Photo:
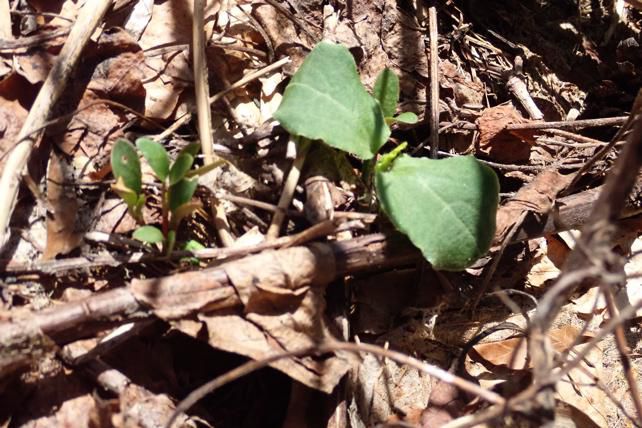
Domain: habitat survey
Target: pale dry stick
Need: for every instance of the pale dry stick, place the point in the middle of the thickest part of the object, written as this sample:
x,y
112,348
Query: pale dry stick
x,y
572,124
623,349
5,20
576,137
328,347
434,82
367,217
88,20
302,147
518,88
204,116
250,77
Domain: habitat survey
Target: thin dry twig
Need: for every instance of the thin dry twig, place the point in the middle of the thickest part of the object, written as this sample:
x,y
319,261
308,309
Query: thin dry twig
x,y
88,20
623,349
570,124
334,346
433,118
302,148
205,116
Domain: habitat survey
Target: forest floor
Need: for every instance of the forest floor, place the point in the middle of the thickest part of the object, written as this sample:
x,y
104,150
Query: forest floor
x,y
287,284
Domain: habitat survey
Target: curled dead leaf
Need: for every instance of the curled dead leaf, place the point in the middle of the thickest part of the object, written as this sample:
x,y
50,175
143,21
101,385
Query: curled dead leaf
x,y
499,144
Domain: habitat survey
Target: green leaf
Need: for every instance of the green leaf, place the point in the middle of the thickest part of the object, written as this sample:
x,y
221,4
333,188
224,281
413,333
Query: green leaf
x,y
149,234
406,117
181,166
181,193
193,245
386,160
191,149
325,100
126,165
446,207
156,156
386,91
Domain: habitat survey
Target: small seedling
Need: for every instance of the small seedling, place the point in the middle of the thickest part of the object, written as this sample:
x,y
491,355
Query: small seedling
x,y
176,182
446,207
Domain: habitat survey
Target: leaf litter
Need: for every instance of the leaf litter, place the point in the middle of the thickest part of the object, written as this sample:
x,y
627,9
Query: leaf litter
x,y
135,79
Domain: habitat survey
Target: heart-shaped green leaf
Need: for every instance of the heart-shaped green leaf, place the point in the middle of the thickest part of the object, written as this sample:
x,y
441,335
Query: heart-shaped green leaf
x,y
326,101
181,193
126,166
446,207
149,234
386,91
156,156
406,117
181,166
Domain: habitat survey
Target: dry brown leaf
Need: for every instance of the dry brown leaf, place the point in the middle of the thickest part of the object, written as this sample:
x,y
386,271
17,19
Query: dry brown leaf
x,y
500,353
579,391
543,269
444,405
501,145
12,116
166,40
116,64
62,234
536,197
382,387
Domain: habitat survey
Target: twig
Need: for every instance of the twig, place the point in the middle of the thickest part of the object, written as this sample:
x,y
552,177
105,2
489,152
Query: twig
x,y
623,349
433,118
571,124
610,326
479,293
367,217
518,88
573,212
302,148
89,17
11,46
205,115
576,137
620,136
588,259
357,348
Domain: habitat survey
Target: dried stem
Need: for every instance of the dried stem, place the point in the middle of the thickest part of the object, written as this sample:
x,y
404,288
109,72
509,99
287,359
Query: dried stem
x,y
205,115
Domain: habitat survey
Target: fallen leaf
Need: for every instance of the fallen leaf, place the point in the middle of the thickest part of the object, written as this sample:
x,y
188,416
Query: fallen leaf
x,y
500,353
537,197
499,144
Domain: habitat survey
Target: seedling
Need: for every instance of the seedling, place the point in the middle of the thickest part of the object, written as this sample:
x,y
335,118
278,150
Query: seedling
x,y
176,182
446,207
